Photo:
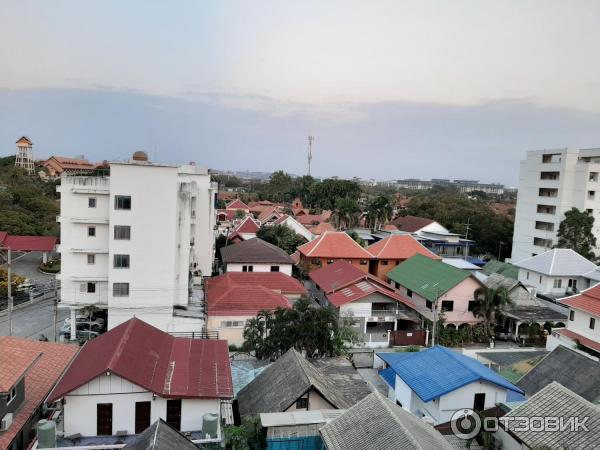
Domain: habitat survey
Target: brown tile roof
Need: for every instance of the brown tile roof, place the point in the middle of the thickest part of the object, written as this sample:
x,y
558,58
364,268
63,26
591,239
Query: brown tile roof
x,y
237,204
334,244
399,246
411,224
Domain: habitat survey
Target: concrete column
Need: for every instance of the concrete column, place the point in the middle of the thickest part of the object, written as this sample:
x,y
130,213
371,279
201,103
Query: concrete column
x,y
73,324
45,257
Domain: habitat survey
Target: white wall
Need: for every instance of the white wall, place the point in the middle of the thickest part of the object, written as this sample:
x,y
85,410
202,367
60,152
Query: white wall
x,y
545,284
581,325
256,267
80,406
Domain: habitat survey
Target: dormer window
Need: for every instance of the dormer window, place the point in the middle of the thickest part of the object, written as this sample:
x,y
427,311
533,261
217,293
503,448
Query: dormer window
x,y
11,395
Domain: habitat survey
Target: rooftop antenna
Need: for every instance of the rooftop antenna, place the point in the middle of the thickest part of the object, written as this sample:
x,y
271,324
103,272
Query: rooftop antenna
x,y
309,156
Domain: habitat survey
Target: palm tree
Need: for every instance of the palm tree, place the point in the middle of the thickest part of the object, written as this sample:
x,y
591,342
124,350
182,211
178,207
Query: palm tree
x,y
490,304
346,212
379,210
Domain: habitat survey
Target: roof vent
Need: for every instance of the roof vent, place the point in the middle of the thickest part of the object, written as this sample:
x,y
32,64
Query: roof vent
x,y
140,156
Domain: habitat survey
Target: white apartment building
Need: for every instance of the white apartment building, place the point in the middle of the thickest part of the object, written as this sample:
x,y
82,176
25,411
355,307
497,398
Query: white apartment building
x,y
551,182
138,242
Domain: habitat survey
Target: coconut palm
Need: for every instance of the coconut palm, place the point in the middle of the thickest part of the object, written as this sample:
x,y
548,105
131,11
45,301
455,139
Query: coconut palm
x,y
379,210
490,305
346,212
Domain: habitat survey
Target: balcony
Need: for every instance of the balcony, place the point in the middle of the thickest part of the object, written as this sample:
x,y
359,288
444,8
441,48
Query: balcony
x,y
86,185
90,220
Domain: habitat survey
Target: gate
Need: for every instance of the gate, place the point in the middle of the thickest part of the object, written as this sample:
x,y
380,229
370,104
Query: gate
x,y
408,337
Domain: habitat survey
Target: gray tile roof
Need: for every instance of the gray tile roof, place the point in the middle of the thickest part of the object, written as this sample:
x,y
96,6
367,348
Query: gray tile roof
x,y
160,436
508,358
555,400
378,424
254,250
573,370
278,387
558,262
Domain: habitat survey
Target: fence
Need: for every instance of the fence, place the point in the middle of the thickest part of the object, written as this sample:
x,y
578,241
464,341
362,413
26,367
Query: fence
x,y
408,337
204,334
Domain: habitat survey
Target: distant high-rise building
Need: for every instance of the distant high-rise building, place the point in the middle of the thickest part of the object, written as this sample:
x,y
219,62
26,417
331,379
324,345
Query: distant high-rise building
x,y
551,182
24,158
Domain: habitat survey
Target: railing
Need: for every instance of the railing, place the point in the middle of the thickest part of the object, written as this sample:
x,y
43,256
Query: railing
x,y
385,312
86,181
203,334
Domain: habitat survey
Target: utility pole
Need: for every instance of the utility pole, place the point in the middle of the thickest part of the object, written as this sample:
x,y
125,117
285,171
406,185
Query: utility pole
x,y
500,249
468,225
55,308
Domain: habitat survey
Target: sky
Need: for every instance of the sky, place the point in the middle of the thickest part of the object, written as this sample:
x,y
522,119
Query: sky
x,y
389,89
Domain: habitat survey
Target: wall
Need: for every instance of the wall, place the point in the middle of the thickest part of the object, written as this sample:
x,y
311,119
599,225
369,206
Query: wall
x,y
380,270
309,263
545,284
315,402
256,267
80,406
581,325
234,336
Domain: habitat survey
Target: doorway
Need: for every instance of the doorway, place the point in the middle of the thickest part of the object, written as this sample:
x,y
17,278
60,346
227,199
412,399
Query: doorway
x,y
142,416
104,419
174,413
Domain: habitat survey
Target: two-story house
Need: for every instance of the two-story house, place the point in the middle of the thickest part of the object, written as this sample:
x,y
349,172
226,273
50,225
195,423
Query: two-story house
x,y
333,246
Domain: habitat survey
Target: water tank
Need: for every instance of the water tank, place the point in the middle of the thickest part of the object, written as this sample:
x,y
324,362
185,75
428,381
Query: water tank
x,y
46,433
140,156
210,425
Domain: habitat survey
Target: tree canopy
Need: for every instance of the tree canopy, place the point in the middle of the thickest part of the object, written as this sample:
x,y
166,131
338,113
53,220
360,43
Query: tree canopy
x,y
490,305
575,232
282,236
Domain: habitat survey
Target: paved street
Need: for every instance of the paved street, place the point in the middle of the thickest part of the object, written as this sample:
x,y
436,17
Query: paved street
x,y
26,264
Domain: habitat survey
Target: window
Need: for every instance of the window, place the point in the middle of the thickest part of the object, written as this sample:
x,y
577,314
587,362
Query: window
x,y
122,232
590,211
120,289
546,209
330,261
274,268
571,315
122,202
428,304
479,402
363,262
409,293
397,285
593,176
92,231
91,259
591,195
121,261
302,403
573,283
247,268
540,279
233,324
92,202
592,323
471,306
384,263
87,288
11,395
557,284
447,305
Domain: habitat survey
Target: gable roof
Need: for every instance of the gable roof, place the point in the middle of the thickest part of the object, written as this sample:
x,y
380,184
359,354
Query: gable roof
x,y
427,277
254,250
49,362
502,268
557,262
24,140
570,368
248,225
588,301
399,246
438,370
411,224
334,244
227,297
557,401
237,204
149,358
278,387
28,243
267,213
383,425
362,289
276,281
160,436
71,163
336,275
14,362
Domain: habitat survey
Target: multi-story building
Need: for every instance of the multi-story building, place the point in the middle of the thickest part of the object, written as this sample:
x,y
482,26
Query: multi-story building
x,y
551,182
138,242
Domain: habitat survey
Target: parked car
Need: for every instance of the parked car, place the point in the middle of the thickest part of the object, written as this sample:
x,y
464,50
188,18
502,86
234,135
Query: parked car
x,y
85,324
84,335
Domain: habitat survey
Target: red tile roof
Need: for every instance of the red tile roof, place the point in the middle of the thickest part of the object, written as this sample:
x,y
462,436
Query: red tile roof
x,y
357,291
276,281
237,204
148,357
411,224
336,275
51,360
309,219
390,227
588,301
248,225
28,243
321,228
399,246
268,212
14,362
226,297
71,163
578,337
334,244
229,214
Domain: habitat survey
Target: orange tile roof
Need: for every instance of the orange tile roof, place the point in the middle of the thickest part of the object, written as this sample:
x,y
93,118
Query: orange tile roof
x,y
39,379
390,227
321,228
14,363
334,244
588,301
399,246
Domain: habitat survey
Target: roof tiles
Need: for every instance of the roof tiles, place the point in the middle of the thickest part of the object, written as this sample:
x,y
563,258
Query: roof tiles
x,y
334,244
399,246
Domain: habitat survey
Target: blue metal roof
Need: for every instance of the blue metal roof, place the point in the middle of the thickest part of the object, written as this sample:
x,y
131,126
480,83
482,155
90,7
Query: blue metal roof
x,y
389,376
439,370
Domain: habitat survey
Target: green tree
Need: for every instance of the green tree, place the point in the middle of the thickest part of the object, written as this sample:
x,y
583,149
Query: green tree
x,y
575,232
379,210
346,212
326,194
250,435
490,305
282,236
279,188
356,238
306,327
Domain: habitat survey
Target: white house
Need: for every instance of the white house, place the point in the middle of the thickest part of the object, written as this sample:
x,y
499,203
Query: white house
x,y
130,241
135,374
583,324
256,255
296,226
437,382
556,273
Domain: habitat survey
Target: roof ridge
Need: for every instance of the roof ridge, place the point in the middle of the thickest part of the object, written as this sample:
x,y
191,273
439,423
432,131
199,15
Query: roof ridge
x,y
319,240
388,406
122,342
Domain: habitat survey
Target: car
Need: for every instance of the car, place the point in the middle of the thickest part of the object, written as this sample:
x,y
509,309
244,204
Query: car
x,y
85,323
79,334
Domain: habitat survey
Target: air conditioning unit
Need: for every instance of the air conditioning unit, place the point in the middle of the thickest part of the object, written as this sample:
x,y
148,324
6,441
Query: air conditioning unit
x,y
6,422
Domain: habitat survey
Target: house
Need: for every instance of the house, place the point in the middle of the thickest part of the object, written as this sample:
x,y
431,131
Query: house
x,y
503,268
28,371
393,250
572,368
330,247
244,230
256,255
555,273
57,165
373,305
237,205
583,325
574,421
138,241
44,244
436,382
293,383
160,436
296,226
378,424
297,429
136,374
428,282
269,215
234,298
525,309
313,219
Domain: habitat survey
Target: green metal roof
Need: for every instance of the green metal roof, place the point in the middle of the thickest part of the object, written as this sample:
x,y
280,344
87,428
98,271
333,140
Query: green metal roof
x,y
506,269
427,277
